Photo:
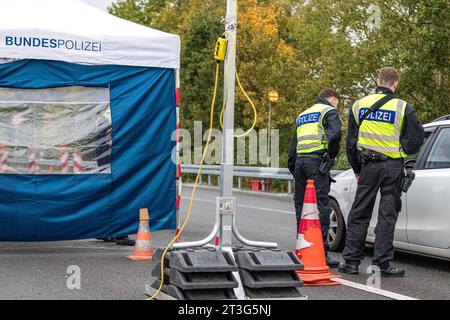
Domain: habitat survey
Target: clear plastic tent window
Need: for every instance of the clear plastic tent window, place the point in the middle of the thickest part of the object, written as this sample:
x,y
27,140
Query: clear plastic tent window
x,y
55,131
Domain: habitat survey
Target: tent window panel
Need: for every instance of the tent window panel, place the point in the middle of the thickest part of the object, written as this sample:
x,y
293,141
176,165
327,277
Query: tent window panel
x,y
55,131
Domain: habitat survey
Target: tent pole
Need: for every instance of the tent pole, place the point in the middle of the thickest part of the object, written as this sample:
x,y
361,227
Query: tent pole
x,y
178,174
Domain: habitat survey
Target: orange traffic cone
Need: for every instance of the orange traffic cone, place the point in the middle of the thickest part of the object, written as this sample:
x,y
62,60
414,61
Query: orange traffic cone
x,y
310,244
143,249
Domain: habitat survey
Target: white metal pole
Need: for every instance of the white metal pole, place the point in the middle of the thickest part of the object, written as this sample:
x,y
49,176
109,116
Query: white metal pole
x,y
226,202
226,181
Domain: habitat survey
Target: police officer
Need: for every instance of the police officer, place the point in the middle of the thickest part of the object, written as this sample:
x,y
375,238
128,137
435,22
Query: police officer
x,y
382,131
318,135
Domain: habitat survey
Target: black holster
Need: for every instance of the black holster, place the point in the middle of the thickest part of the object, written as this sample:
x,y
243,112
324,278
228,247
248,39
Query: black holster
x,y
325,166
372,156
407,180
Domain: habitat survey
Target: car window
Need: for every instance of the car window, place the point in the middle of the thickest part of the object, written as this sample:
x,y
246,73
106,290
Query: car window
x,y
414,157
439,156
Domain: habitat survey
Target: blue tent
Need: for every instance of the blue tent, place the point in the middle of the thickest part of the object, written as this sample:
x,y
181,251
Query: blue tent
x,y
85,140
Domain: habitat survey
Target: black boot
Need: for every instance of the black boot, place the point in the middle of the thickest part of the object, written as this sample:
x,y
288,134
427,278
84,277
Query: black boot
x,y
106,239
125,241
332,263
391,272
348,268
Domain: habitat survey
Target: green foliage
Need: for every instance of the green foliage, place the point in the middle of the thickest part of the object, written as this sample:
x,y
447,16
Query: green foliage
x,y
299,47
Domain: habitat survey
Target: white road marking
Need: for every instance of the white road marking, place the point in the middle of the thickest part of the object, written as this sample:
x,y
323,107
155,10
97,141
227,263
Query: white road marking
x,y
380,292
244,206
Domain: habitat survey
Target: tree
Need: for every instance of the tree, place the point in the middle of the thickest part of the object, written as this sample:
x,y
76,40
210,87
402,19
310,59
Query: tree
x,y
299,47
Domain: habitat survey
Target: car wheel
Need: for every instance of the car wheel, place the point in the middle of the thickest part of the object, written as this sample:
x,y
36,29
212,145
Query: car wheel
x,y
336,233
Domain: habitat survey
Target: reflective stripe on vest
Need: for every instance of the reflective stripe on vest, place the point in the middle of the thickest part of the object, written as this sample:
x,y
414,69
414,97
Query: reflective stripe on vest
x,y
311,136
381,130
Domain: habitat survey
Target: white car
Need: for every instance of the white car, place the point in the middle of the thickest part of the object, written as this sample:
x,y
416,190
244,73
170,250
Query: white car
x,y
423,226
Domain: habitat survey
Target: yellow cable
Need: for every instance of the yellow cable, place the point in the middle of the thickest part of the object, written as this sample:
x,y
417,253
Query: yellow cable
x,y
255,113
194,190
226,72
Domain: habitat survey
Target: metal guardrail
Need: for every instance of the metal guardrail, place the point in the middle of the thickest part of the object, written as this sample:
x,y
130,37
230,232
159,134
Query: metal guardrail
x,y
240,172
261,173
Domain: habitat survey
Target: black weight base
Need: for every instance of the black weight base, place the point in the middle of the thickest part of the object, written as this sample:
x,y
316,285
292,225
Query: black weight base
x,y
195,281
208,294
207,274
270,279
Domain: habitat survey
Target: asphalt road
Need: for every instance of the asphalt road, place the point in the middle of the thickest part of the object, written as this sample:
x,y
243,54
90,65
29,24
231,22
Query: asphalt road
x,y
40,270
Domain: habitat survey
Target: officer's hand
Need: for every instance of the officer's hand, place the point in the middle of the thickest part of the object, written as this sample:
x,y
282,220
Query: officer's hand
x,y
357,176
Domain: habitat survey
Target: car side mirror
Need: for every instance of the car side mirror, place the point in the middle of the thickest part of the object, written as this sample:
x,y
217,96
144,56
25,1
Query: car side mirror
x,y
410,163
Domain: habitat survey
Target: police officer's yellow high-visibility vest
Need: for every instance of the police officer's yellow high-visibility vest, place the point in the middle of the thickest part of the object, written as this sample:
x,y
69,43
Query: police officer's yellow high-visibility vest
x,y
381,130
311,135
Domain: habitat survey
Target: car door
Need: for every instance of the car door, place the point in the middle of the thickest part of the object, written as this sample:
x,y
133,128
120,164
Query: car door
x,y
400,227
400,234
428,199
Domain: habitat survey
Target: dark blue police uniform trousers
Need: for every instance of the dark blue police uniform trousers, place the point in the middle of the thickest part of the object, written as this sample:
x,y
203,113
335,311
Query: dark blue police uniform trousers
x,y
384,176
308,169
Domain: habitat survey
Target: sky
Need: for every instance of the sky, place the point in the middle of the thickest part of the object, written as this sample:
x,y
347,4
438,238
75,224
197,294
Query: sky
x,y
101,4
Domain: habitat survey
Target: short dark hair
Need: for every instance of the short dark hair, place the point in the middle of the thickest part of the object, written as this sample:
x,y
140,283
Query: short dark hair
x,y
388,76
328,93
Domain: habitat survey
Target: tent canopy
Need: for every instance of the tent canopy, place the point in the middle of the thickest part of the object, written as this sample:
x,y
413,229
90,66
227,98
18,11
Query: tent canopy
x,y
71,31
87,115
